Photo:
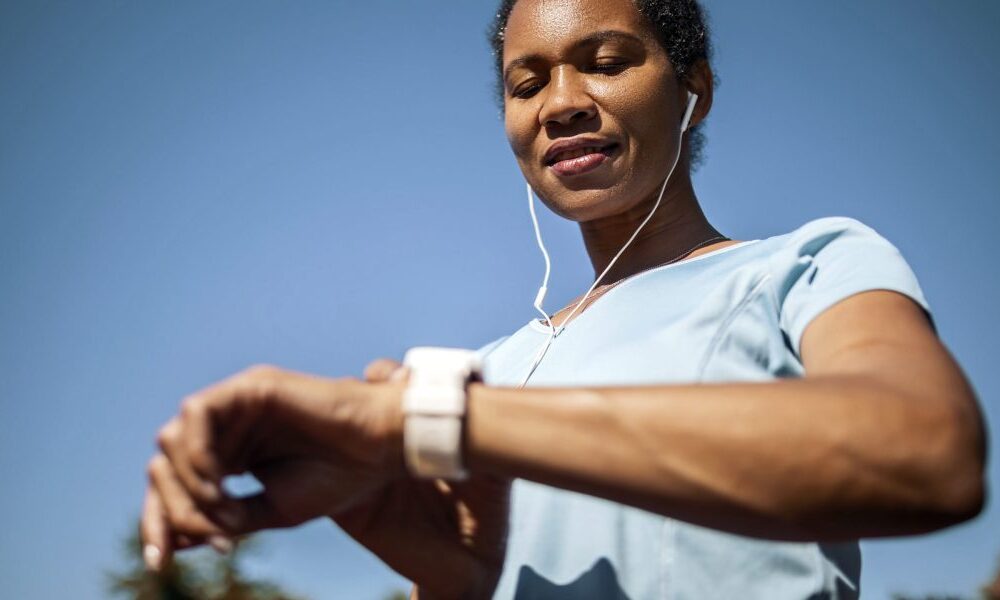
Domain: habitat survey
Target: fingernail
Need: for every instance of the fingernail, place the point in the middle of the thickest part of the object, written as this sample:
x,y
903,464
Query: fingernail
x,y
399,374
211,492
229,517
222,544
152,555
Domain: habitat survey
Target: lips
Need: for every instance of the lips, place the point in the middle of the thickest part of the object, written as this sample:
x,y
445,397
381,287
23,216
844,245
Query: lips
x,y
578,155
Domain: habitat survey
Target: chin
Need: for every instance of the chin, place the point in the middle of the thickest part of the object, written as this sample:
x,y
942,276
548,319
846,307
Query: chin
x,y
586,204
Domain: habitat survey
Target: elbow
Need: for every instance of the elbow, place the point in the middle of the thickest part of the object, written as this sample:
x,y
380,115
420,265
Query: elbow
x,y
956,484
961,499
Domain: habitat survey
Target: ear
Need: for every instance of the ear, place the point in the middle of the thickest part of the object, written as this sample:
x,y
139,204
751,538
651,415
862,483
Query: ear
x,y
701,81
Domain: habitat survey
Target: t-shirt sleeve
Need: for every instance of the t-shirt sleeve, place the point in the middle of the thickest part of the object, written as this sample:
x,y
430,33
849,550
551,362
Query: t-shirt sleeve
x,y
829,259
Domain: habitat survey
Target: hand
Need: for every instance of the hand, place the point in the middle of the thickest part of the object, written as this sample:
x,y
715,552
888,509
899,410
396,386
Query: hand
x,y
318,446
449,538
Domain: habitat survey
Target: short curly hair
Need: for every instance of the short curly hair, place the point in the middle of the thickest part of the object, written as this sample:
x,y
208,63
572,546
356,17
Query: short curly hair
x,y
681,29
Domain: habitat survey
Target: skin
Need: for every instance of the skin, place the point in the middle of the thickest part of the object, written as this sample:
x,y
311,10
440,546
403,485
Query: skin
x,y
887,434
558,86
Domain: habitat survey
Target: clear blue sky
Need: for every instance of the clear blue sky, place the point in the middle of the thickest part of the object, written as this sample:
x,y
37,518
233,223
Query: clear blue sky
x,y
187,188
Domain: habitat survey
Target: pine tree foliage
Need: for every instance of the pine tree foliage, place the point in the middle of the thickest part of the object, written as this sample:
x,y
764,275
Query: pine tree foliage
x,y
196,575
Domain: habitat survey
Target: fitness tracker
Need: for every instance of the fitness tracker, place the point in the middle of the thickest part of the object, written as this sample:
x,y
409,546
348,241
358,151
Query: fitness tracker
x,y
434,409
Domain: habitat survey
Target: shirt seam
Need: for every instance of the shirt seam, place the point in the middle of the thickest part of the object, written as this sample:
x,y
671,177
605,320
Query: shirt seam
x,y
541,328
726,323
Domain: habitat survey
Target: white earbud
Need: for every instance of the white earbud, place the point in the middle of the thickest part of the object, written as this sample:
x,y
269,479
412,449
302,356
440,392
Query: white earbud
x,y
692,101
540,296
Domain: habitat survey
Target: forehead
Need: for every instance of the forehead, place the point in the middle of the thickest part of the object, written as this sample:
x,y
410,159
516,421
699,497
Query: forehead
x,y
546,26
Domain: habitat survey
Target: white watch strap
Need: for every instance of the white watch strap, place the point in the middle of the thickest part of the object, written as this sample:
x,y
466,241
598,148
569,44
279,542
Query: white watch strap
x,y
434,409
433,446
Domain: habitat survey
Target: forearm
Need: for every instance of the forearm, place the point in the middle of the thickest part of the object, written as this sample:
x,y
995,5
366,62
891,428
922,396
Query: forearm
x,y
815,458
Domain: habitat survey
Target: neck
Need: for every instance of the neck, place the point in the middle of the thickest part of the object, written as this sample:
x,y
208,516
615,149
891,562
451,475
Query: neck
x,y
678,226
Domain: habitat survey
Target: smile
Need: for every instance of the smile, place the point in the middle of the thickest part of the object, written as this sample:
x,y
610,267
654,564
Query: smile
x,y
575,158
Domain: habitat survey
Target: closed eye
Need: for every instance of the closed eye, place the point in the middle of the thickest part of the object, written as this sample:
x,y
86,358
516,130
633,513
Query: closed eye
x,y
610,68
526,91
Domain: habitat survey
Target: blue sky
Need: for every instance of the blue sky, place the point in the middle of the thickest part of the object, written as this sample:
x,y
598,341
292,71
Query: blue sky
x,y
188,188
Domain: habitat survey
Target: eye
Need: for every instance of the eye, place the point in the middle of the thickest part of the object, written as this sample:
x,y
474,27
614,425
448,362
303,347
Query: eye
x,y
527,89
609,66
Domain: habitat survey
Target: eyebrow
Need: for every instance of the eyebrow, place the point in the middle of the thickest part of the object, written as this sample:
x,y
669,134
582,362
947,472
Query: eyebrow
x,y
591,40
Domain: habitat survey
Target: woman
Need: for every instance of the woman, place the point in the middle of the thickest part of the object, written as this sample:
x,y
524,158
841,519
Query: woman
x,y
716,418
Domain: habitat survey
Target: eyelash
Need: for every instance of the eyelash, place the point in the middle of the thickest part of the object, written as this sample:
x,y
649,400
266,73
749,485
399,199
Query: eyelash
x,y
528,92
610,68
603,69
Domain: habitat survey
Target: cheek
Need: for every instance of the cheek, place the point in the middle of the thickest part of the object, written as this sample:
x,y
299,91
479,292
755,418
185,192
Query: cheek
x,y
641,107
520,135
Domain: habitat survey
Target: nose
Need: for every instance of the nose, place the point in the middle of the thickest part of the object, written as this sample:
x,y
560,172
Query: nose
x,y
567,100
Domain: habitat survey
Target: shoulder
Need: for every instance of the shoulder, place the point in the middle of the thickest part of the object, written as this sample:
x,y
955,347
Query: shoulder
x,y
827,260
841,242
812,236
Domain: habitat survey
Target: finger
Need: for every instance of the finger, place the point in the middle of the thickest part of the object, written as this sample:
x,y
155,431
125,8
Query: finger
x,y
234,444
283,502
156,539
183,515
248,515
381,370
220,422
198,445
199,438
173,444
400,374
159,544
221,544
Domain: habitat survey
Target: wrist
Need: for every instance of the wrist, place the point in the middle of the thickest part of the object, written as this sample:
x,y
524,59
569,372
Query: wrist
x,y
434,406
389,398
474,395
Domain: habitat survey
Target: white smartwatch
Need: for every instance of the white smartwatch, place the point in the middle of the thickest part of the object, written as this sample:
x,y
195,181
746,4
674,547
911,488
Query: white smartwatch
x,y
434,409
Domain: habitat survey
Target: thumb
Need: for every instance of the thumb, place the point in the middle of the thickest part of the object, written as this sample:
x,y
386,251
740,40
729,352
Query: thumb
x,y
381,370
248,515
295,491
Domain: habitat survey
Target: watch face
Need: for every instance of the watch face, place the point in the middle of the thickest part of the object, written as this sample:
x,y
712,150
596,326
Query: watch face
x,y
438,377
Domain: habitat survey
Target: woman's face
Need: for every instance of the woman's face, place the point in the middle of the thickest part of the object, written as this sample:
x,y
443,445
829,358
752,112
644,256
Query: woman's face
x,y
592,107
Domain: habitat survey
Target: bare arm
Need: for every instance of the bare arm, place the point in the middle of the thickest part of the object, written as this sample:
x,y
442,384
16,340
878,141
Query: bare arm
x,y
882,437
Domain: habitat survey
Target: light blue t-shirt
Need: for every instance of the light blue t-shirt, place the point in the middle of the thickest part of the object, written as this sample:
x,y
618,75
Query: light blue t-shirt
x,y
736,314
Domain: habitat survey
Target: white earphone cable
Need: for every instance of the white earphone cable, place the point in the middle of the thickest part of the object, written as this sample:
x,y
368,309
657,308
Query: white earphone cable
x,y
540,297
